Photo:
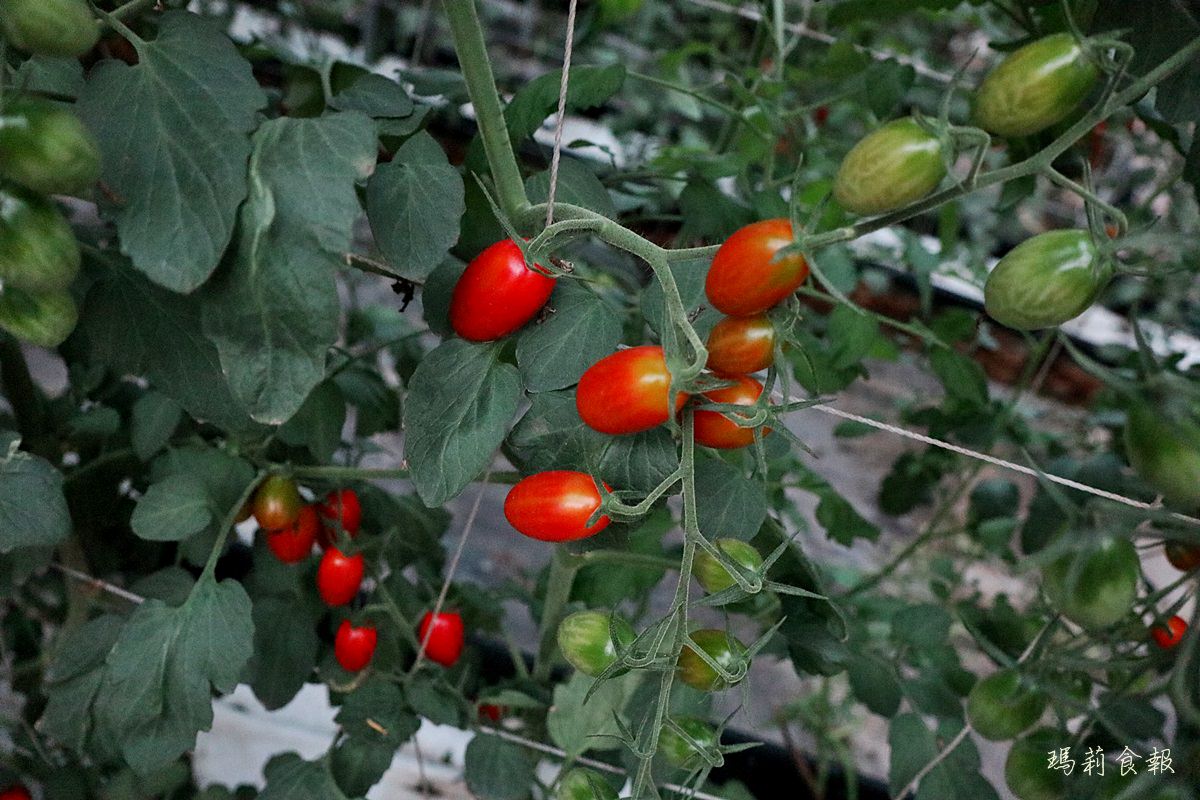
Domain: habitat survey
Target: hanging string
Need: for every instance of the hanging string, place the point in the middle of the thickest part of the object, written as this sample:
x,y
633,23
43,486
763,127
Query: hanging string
x,y
562,107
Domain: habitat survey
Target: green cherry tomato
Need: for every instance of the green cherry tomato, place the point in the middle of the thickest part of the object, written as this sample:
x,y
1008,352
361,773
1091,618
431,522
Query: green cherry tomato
x,y
44,147
49,27
1027,769
1046,281
714,577
584,784
43,318
721,648
896,165
1000,706
681,753
1166,454
38,251
1095,588
1035,87
590,640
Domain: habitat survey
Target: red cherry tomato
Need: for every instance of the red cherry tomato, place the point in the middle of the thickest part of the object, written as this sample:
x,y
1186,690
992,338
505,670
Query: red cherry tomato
x,y
627,392
340,508
1183,557
1171,635
339,576
354,646
491,712
445,637
277,503
820,115
293,544
17,792
714,429
741,345
497,294
555,506
746,278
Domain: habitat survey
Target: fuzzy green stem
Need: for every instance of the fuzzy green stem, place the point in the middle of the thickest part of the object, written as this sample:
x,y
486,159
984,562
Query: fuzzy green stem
x,y
558,592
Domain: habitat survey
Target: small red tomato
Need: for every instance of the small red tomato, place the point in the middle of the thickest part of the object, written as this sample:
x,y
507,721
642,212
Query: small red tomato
x,y
340,508
491,712
627,392
354,646
1171,635
555,506
820,115
293,544
277,503
746,278
339,576
443,637
741,345
497,294
1183,557
714,429
17,792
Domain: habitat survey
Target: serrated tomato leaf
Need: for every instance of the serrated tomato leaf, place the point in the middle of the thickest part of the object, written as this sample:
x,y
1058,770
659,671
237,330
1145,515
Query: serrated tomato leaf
x,y
33,510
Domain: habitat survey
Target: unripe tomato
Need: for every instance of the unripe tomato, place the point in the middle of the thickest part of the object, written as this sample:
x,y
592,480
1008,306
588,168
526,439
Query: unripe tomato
x,y
592,640
446,636
17,792
277,503
714,429
1046,281
745,276
294,543
891,167
339,576
681,753
1183,557
1001,707
340,509
1026,771
627,392
354,646
741,345
1035,87
43,318
49,27
1171,635
584,784
709,572
555,506
721,647
44,147
497,294
38,251
1166,454
1104,587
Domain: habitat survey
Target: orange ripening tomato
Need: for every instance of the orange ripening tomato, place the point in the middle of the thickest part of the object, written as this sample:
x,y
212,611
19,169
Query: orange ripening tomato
x,y
497,294
555,506
714,429
740,345
745,276
627,392
1171,635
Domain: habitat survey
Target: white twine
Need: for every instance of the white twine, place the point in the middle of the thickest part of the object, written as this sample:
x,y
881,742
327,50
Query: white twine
x,y
562,107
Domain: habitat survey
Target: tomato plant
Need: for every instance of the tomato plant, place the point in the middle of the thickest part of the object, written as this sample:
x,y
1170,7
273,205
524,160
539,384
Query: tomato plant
x,y
591,641
627,392
340,511
1170,635
713,576
38,252
584,784
1046,281
893,166
46,149
741,345
1095,588
681,752
339,576
1166,454
720,647
52,27
1003,705
354,645
1183,557
497,294
721,430
748,276
295,542
555,506
442,636
1025,770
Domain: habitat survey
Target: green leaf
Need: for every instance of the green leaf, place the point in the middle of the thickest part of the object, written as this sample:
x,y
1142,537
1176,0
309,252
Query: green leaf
x,y
877,11
914,746
357,765
374,95
460,402
709,214
727,503
133,326
552,436
289,777
155,418
378,710
538,99
576,726
851,335
639,461
435,702
921,626
582,329
577,185
174,133
962,377
317,425
285,650
377,406
414,204
54,74
172,509
873,681
274,313
33,510
689,278
842,523
498,770
157,690
73,681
